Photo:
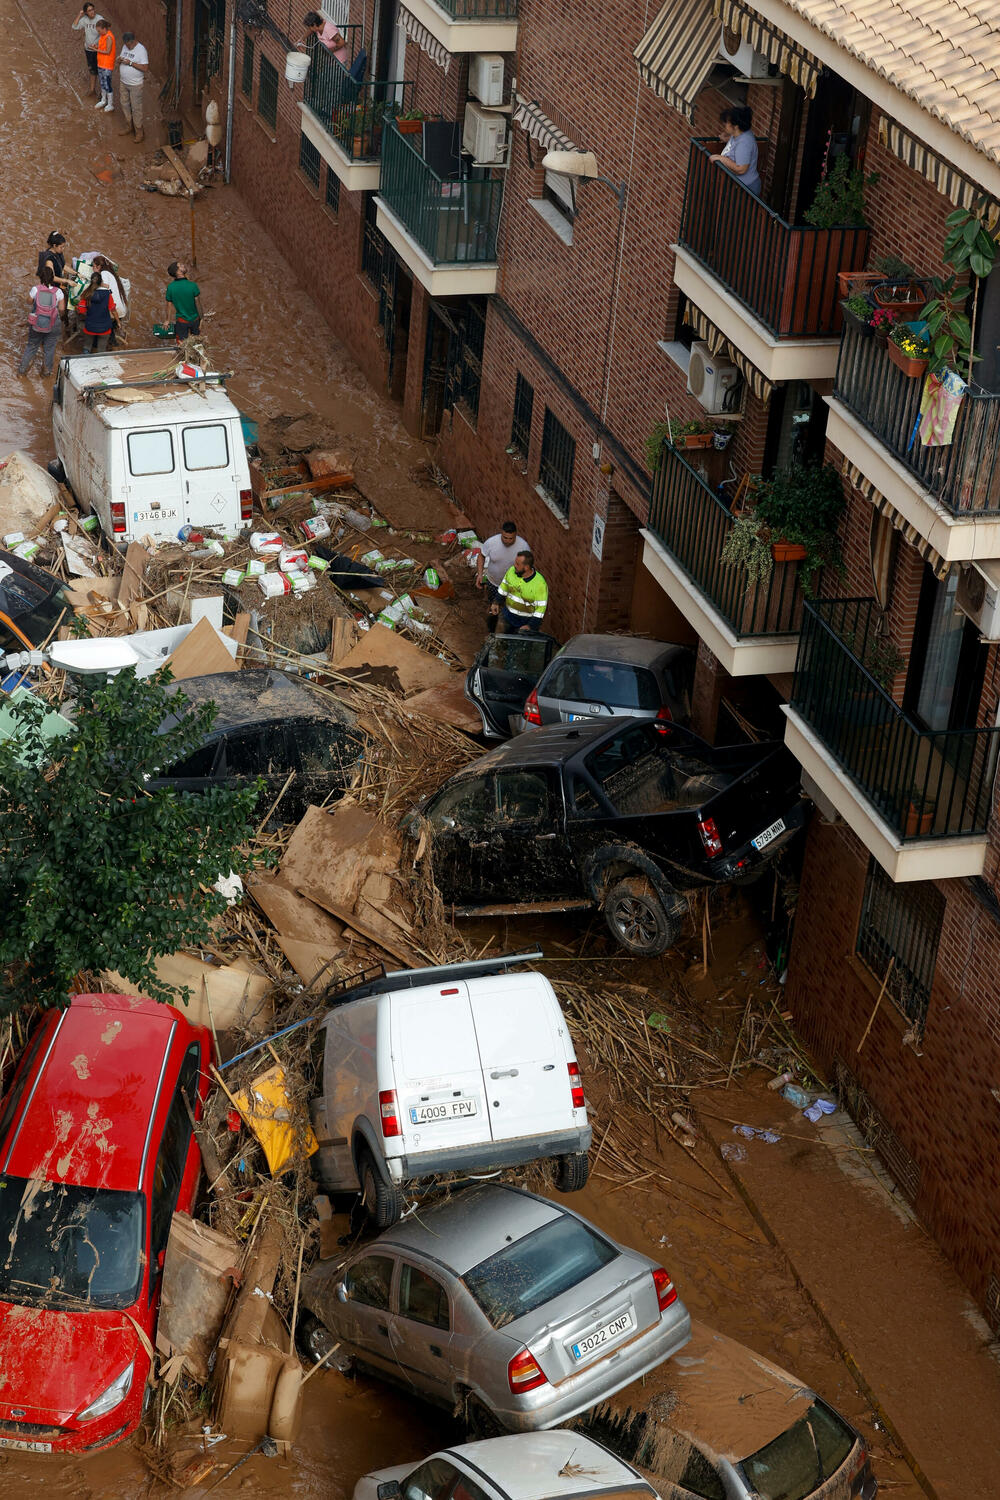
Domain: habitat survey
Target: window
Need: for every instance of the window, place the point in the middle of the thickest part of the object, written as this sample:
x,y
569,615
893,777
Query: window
x,y
369,1281
201,763
372,245
614,685
422,1298
520,427
700,1477
317,745
465,357
150,453
538,1268
332,191
523,797
206,447
247,753
17,1092
267,93
309,160
433,1480
901,923
174,1146
560,190
467,805
555,473
246,76
797,1463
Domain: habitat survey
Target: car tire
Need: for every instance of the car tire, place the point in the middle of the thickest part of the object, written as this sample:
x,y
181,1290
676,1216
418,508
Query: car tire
x,y
572,1172
313,1338
480,1422
381,1201
636,918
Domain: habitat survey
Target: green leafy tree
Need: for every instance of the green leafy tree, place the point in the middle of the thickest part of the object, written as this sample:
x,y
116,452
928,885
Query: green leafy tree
x,y
96,870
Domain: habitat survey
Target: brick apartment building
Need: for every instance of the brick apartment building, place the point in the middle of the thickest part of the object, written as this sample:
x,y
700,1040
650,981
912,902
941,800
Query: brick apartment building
x,y
540,327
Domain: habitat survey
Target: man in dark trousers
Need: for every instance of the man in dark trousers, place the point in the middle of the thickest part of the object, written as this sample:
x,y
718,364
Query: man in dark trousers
x,y
182,301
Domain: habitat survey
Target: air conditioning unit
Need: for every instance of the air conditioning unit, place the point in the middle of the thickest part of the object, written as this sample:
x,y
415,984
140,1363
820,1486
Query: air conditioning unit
x,y
709,378
978,596
486,77
484,135
741,56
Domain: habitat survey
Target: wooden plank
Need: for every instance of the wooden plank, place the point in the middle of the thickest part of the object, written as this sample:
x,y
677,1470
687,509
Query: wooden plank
x,y
136,559
311,486
311,959
349,919
292,916
181,169
343,635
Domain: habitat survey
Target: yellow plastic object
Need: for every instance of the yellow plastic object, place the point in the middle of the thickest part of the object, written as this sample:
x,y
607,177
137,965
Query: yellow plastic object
x,y
280,1128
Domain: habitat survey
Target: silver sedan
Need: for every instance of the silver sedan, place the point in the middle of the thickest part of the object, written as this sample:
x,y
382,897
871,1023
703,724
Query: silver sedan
x,y
502,1305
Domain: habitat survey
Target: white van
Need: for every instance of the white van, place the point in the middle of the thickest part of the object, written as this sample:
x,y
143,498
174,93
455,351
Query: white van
x,y
147,451
465,1068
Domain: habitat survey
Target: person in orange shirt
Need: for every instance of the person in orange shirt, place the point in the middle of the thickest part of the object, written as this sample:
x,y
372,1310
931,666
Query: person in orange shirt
x,y
106,50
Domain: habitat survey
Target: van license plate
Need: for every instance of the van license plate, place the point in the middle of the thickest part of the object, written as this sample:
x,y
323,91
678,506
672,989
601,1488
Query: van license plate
x,y
155,515
24,1447
602,1336
453,1109
769,835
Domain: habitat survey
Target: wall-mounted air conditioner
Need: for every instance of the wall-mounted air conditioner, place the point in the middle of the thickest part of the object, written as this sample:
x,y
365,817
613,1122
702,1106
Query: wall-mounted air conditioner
x,y
484,135
486,77
742,57
978,596
709,378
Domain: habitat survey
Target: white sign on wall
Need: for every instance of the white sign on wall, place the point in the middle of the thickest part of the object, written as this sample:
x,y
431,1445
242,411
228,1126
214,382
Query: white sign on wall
x,y
597,538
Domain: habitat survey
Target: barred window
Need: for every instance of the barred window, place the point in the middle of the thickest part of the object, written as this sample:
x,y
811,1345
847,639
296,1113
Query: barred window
x,y
332,190
465,357
555,472
901,925
520,427
372,244
246,76
267,93
309,160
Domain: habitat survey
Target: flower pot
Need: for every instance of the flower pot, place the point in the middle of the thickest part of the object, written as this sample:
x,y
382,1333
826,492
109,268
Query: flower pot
x,y
913,368
409,127
786,552
695,440
905,298
721,439
919,821
850,282
865,329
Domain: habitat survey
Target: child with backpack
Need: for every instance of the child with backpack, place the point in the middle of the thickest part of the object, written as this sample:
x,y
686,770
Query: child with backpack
x,y
43,322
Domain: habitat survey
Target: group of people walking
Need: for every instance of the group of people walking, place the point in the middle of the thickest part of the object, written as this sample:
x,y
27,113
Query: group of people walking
x,y
101,50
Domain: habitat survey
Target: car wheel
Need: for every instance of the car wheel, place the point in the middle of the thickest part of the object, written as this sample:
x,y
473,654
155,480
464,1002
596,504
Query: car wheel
x,y
480,1421
572,1172
636,918
313,1338
381,1201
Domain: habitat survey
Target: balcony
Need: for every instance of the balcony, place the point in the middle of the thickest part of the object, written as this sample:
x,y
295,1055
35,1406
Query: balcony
x,y
770,287
469,25
345,120
918,799
951,494
442,226
751,625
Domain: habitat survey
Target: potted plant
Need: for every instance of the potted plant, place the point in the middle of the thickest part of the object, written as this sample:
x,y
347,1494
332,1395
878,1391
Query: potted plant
x,y
410,122
908,349
969,251
747,546
902,297
858,311
840,198
794,519
883,320
920,810
691,434
722,437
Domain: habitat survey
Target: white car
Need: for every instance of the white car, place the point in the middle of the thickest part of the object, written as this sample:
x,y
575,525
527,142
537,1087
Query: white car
x,y
527,1466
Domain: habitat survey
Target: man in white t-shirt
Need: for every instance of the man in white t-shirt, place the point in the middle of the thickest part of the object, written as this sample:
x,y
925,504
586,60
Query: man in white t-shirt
x,y
497,555
133,64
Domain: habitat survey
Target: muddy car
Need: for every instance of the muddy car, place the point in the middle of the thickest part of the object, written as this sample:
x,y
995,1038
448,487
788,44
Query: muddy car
x,y
30,603
627,817
504,672
726,1424
270,728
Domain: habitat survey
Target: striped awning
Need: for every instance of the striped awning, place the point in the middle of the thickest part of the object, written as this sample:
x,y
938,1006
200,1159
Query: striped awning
x,y
427,43
676,55
787,56
909,533
962,191
719,345
540,128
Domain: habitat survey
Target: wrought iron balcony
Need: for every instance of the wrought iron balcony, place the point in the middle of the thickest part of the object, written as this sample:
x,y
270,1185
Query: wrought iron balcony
x,y
354,114
453,220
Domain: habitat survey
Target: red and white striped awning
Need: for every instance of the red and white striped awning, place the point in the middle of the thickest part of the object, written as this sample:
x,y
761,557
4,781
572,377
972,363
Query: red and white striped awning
x,y
418,33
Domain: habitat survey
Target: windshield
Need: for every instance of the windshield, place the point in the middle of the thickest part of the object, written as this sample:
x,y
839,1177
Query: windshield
x,y
801,1459
538,1268
65,1245
611,683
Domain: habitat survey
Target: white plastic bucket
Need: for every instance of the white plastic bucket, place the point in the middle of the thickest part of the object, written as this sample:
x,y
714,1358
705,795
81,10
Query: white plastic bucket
x,y
296,66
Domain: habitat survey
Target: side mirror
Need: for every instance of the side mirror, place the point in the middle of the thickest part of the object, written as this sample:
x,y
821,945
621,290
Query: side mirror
x,y
390,1490
341,1290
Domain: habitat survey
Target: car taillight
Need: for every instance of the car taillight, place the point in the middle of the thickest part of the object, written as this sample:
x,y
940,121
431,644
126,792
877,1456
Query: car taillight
x,y
666,1292
524,1373
663,723
575,1086
857,1465
246,504
118,516
388,1112
530,711
710,837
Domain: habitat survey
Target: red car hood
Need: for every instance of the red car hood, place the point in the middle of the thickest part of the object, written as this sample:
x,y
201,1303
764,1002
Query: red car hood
x,y
54,1363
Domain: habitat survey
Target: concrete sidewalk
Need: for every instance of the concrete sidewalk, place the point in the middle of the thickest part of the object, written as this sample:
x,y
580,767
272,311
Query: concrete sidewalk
x,y
905,1326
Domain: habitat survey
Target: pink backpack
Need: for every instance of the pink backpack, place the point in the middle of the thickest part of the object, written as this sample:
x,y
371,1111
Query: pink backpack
x,y
45,314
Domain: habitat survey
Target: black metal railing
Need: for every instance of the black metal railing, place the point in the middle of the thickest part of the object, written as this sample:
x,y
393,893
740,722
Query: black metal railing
x,y
963,474
924,783
451,219
693,524
355,114
480,10
785,274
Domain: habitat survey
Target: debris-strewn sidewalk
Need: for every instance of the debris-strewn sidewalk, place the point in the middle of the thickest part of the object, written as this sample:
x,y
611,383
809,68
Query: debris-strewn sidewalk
x,y
905,1326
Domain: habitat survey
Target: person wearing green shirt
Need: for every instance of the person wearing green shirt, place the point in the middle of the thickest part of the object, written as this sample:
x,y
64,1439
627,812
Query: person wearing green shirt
x,y
524,596
182,301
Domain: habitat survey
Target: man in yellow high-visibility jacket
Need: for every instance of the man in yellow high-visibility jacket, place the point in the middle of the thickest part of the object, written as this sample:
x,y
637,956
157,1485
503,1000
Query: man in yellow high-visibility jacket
x,y
524,596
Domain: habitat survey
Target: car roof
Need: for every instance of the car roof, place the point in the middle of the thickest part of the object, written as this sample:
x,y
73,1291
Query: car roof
x,y
619,648
86,1119
548,746
549,1465
473,1225
176,401
257,695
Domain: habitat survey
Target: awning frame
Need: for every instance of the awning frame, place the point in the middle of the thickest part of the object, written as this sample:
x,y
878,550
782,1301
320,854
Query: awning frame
x,y
417,32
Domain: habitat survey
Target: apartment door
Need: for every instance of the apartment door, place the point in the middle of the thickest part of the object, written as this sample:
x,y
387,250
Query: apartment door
x,y
947,660
441,334
836,125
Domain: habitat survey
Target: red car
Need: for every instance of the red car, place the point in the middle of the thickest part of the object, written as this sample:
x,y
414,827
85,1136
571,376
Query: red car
x,y
96,1152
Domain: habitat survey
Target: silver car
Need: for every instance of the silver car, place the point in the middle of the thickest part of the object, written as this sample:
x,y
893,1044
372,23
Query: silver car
x,y
502,1305
597,676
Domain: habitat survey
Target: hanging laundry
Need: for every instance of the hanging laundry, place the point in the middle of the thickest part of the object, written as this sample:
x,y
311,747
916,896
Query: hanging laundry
x,y
939,408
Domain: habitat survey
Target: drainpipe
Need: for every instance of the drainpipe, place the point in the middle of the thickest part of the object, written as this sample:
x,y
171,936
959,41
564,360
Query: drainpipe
x,y
230,98
177,52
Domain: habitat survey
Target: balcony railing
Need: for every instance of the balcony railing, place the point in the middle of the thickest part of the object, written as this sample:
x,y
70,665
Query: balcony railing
x,y
784,274
964,475
693,523
355,114
923,783
451,219
480,10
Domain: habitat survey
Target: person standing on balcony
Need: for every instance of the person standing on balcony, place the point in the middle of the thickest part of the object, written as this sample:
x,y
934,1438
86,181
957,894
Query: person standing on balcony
x,y
739,154
328,33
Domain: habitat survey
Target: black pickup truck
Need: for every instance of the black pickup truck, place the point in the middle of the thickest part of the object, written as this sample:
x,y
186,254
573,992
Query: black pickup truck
x,y
626,818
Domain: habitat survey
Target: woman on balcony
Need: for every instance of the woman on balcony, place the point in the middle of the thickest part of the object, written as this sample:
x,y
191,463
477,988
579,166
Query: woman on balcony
x,y
739,154
327,33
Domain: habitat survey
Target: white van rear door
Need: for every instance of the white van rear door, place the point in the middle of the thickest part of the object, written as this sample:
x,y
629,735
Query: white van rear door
x,y
438,1079
523,1056
208,459
153,490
